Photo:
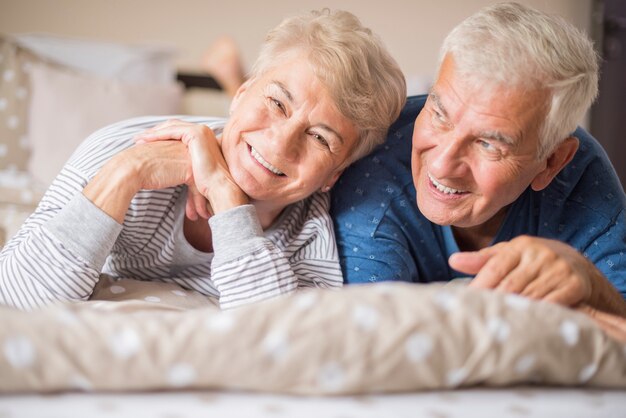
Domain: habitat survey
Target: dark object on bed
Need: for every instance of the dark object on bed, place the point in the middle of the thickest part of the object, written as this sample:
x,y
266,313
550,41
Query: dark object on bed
x,y
194,80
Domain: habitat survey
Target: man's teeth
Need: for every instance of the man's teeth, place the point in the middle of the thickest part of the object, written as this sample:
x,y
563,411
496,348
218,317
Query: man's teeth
x,y
442,188
264,163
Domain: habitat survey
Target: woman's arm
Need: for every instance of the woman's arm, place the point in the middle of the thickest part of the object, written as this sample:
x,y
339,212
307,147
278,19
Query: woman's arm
x,y
247,266
60,250
300,253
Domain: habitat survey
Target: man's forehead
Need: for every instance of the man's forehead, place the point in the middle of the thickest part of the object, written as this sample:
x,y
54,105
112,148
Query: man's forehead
x,y
488,119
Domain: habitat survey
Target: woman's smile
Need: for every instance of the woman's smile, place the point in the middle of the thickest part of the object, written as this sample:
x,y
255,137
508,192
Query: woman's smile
x,y
259,158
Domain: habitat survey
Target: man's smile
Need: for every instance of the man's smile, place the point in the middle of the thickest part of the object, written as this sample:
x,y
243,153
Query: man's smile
x,y
442,188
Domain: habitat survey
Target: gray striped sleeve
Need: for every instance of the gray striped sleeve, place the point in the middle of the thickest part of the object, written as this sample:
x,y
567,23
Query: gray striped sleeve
x,y
85,229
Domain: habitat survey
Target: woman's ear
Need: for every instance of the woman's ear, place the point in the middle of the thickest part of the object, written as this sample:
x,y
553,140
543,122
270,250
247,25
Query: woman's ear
x,y
332,180
238,95
560,157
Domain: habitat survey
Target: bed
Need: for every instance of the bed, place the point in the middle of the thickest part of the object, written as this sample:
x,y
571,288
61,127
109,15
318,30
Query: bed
x,y
373,350
154,349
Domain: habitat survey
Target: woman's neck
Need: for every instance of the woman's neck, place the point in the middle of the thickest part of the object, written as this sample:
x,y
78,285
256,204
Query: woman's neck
x,y
267,213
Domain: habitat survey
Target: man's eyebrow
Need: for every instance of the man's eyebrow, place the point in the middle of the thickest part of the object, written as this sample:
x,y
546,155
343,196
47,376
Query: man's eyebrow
x,y
495,135
498,136
437,101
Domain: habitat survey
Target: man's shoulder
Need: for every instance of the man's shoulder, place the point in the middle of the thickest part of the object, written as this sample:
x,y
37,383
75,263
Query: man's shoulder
x,y
391,159
411,109
386,172
589,179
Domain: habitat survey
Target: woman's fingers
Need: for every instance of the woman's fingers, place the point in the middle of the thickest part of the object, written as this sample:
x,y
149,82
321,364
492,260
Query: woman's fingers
x,y
174,129
190,209
198,202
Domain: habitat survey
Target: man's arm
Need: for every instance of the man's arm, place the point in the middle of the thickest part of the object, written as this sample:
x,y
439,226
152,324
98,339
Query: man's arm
x,y
541,268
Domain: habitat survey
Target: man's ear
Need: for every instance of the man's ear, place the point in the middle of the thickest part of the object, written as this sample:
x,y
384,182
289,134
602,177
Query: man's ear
x,y
240,91
559,158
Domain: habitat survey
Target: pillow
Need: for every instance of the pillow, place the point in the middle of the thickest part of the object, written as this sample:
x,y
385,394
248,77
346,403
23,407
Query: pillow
x,y
111,60
388,337
14,94
67,106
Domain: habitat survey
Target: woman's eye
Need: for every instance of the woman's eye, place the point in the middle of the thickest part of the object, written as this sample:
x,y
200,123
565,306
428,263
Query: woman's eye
x,y
320,139
278,104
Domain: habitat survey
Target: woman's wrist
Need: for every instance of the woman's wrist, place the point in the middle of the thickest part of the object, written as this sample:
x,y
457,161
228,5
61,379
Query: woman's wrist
x,y
113,188
224,195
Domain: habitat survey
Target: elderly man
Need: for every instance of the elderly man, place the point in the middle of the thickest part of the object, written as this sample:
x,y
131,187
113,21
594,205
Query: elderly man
x,y
505,192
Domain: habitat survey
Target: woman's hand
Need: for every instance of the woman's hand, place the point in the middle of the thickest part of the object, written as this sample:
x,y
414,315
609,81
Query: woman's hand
x,y
211,176
149,166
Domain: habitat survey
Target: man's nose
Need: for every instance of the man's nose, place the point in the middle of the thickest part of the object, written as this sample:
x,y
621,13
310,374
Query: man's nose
x,y
448,157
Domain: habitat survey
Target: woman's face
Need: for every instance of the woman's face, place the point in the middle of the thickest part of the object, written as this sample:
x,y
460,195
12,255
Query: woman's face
x,y
285,138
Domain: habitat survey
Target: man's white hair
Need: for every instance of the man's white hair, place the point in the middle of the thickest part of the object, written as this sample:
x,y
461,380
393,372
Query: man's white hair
x,y
512,45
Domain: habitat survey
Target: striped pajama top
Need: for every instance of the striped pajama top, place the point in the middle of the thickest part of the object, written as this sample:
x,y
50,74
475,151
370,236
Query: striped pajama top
x,y
64,246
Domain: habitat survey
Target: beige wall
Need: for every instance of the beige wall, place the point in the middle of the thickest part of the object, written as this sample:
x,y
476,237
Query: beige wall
x,y
412,29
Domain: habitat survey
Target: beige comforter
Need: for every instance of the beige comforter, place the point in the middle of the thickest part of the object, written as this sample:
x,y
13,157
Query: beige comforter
x,y
361,339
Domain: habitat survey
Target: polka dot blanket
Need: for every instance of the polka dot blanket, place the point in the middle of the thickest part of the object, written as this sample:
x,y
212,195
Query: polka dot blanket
x,y
394,337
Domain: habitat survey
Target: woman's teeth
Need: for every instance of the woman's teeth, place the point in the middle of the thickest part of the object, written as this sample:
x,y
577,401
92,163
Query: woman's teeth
x,y
442,188
264,163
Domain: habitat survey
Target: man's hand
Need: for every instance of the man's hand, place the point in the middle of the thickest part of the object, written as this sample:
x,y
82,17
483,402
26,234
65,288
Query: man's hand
x,y
613,325
540,268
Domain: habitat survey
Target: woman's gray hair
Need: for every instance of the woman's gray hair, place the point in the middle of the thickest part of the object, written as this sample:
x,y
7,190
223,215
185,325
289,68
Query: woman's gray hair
x,y
363,79
513,45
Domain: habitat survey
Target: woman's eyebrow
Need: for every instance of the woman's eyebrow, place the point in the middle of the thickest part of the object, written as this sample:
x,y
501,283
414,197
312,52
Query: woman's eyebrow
x,y
290,98
284,89
332,131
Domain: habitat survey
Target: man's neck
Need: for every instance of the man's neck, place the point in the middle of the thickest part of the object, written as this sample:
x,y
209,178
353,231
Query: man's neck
x,y
476,238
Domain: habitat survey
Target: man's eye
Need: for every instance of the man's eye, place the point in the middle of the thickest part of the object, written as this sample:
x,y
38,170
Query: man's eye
x,y
487,146
438,117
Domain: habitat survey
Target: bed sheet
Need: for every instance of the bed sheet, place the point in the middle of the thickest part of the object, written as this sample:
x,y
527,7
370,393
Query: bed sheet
x,y
469,403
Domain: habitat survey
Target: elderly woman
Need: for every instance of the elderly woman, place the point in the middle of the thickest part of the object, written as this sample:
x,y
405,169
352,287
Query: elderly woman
x,y
322,94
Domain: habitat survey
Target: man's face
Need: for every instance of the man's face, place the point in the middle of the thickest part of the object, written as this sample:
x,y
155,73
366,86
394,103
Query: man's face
x,y
474,149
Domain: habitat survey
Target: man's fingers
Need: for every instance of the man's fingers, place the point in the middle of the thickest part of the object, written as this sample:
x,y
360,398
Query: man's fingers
x,y
469,262
613,325
496,265
532,278
563,295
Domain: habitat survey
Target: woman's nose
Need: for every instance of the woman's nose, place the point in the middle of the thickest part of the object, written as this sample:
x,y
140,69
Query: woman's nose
x,y
285,139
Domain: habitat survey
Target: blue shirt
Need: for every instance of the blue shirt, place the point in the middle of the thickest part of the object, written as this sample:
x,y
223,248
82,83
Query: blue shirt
x,y
381,234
